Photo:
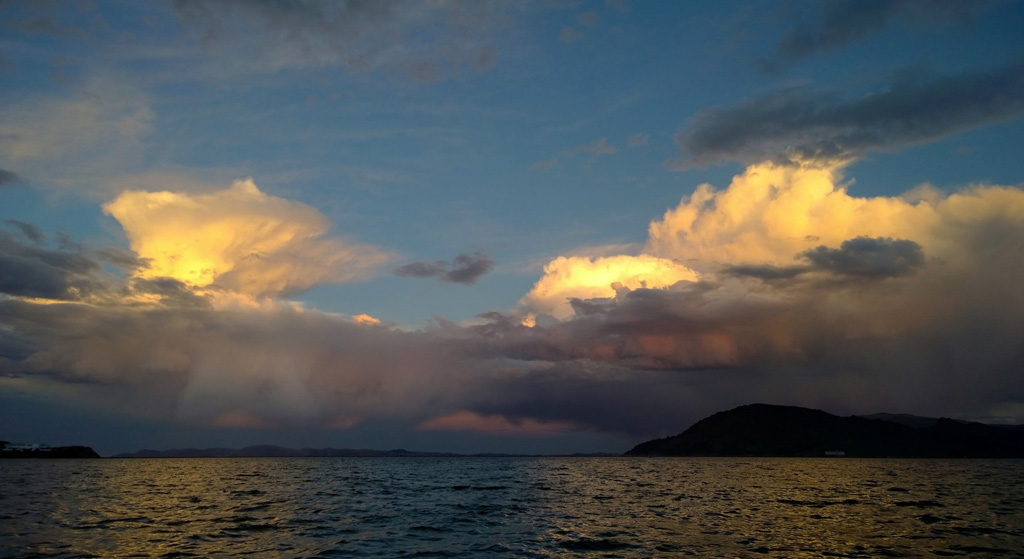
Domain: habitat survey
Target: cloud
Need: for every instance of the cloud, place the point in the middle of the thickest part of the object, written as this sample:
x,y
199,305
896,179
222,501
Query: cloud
x,y
569,35
464,269
424,41
638,139
366,319
805,125
278,363
859,303
862,258
868,258
28,230
495,424
544,165
840,23
8,178
580,277
238,419
37,271
770,213
77,140
898,305
594,149
239,239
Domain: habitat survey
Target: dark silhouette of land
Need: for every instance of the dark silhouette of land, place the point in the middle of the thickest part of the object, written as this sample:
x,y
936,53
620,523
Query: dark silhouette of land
x,y
767,430
269,451
7,450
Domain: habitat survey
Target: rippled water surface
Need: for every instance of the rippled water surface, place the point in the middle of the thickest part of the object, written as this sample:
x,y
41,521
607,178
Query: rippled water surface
x,y
511,507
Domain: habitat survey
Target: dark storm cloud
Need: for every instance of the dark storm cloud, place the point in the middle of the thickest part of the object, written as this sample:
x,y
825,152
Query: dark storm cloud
x,y
862,258
35,271
464,269
802,124
840,23
868,258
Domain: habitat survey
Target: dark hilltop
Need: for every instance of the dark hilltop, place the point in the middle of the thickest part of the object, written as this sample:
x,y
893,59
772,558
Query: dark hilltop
x,y
767,430
12,450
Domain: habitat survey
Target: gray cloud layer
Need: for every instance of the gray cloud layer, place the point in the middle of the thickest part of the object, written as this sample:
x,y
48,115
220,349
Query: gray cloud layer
x,y
859,259
464,269
842,22
36,271
381,34
802,124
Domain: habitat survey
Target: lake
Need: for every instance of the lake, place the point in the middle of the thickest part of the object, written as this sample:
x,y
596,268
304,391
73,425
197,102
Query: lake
x,y
511,507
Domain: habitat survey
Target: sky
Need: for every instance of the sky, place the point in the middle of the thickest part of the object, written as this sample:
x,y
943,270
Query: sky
x,y
511,226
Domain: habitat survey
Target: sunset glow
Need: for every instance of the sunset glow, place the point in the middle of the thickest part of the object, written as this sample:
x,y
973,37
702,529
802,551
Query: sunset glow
x,y
503,226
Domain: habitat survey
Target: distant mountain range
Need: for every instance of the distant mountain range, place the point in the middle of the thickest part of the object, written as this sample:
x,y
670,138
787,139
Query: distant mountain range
x,y
751,430
270,451
767,430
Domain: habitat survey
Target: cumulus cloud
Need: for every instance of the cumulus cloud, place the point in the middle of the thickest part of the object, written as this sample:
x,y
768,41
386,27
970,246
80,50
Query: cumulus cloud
x,y
807,125
770,213
239,239
901,305
464,269
580,277
856,303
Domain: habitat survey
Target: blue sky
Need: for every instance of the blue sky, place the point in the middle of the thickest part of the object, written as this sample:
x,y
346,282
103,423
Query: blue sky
x,y
481,226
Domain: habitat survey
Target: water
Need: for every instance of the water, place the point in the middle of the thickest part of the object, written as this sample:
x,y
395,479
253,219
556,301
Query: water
x,y
511,507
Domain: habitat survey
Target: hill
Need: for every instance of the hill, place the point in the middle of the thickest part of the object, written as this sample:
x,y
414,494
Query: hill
x,y
768,430
8,450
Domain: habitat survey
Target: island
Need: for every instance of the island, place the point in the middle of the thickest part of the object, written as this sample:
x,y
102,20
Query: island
x,y
780,431
14,450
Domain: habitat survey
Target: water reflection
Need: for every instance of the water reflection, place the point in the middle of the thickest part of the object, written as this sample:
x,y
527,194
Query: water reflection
x,y
621,507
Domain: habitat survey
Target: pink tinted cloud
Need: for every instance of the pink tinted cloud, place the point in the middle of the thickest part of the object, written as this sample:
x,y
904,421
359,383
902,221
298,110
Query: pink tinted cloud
x,y
495,424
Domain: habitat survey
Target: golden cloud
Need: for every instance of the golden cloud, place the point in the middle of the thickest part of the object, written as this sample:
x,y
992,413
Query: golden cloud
x,y
769,213
239,239
366,319
580,277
